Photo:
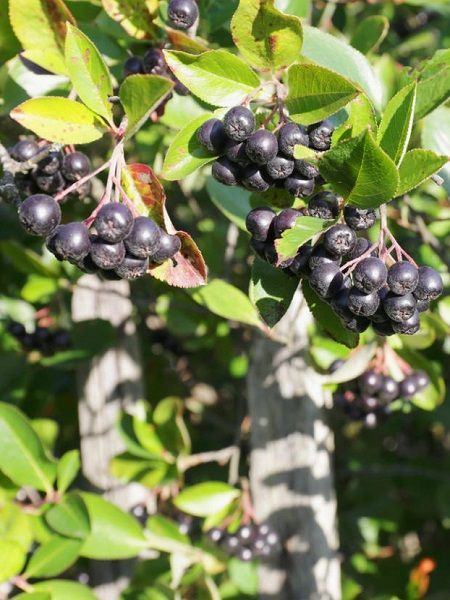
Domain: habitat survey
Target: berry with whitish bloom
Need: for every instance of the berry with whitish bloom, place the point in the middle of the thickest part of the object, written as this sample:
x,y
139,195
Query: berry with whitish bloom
x,y
320,135
370,275
182,13
75,166
70,242
359,219
326,279
399,308
106,256
339,239
113,222
402,278
239,123
254,179
236,153
408,327
132,267
363,304
430,285
280,167
133,66
306,169
284,220
24,150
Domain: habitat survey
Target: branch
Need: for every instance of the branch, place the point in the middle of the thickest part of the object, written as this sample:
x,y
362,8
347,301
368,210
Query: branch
x,y
219,456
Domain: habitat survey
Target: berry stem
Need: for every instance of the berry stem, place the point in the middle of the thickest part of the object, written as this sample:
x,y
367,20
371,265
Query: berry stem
x,y
352,264
127,200
80,182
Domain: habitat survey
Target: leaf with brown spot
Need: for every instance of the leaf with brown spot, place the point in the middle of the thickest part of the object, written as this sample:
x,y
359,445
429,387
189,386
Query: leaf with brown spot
x,y
134,16
187,269
181,41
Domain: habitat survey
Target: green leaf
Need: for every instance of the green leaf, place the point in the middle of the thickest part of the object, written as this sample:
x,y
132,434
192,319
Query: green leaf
x,y
433,83
316,93
396,125
333,53
39,289
58,120
67,469
34,596
48,431
244,575
216,77
53,558
355,366
271,291
60,589
361,116
326,318
41,28
163,527
436,137
360,171
234,203
417,166
266,37
185,154
88,73
305,229
15,525
140,95
127,430
114,533
23,458
227,301
13,559
70,517
206,498
147,472
369,34
299,8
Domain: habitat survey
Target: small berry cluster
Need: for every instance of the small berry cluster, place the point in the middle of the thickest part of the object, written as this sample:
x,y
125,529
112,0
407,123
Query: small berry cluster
x,y
52,174
42,339
259,159
249,542
153,63
347,271
368,398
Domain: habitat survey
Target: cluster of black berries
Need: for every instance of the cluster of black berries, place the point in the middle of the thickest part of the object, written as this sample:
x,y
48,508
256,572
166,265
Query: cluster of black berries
x,y
153,63
368,398
249,542
44,340
122,246
52,174
389,298
258,159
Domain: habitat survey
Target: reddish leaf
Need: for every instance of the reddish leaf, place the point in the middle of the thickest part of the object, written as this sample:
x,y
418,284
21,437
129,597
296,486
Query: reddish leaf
x,y
187,269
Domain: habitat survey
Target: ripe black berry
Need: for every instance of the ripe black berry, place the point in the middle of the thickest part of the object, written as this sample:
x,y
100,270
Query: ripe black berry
x,y
70,242
226,172
359,219
262,147
408,327
235,151
231,544
215,534
389,390
370,275
399,308
361,246
300,188
113,222
180,88
168,246
422,305
153,62
245,533
144,238
370,382
212,135
299,265
422,380
324,205
24,150
326,279
133,66
430,285
320,136
284,220
336,365
383,328
254,179
61,340
291,135
49,184
363,304
355,323
51,163
40,214
339,239
182,13
409,387
106,256
259,247
306,169
403,278
75,166
245,554
320,255
132,267
279,167
258,223
239,123
339,303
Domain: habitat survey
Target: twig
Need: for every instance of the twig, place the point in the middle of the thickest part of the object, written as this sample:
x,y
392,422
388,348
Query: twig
x,y
219,456
80,182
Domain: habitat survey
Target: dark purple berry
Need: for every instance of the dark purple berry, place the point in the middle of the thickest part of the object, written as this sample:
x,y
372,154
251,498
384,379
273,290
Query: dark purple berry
x,y
336,365
403,278
339,240
254,179
182,13
280,167
168,246
285,220
262,147
113,222
106,256
212,136
422,379
231,544
363,304
306,170
291,135
339,303
324,205
299,265
75,166
423,305
235,151
61,340
144,238
258,223
361,246
226,172
180,88
359,219
370,275
320,255
245,554
389,390
320,136
16,329
40,214
408,327
259,248
153,62
132,267
239,123
51,163
355,323
383,328
49,184
133,66
409,387
399,308
24,150
430,285
326,279
300,188
215,535
245,533
70,242
370,382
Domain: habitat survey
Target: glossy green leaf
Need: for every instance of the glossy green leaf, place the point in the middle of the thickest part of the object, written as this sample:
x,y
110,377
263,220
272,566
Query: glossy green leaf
x,y
227,301
148,472
140,95
417,166
185,154
34,596
148,437
15,525
436,137
53,558
67,469
88,73
48,431
61,589
335,54
70,517
433,83
40,26
305,229
164,527
396,125
299,8
316,93
234,203
114,533
271,291
355,366
58,120
127,431
266,37
206,498
22,457
244,575
326,317
216,77
12,559
369,34
361,116
361,172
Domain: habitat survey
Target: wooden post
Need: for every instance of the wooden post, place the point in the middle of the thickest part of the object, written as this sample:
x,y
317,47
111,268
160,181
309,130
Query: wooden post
x,y
108,384
291,464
